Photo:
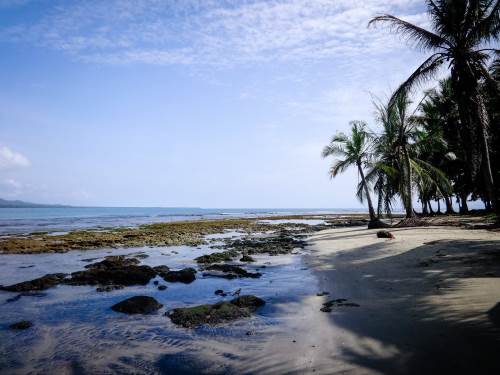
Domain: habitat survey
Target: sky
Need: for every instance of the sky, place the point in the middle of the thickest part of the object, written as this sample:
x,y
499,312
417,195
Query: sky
x,y
195,103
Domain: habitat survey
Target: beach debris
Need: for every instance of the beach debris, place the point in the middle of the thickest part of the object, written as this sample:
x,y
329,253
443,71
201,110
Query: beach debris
x,y
41,283
109,288
185,275
339,302
247,258
237,292
217,313
162,287
137,305
23,324
385,234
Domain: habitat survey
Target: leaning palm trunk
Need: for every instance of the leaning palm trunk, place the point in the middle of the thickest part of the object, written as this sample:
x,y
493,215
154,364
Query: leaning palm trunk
x,y
371,211
407,185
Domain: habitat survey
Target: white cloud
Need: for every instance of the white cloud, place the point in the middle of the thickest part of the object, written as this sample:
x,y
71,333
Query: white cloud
x,y
11,159
220,33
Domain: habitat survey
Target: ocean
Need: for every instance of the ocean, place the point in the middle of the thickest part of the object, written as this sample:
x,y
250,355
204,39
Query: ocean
x,y
63,219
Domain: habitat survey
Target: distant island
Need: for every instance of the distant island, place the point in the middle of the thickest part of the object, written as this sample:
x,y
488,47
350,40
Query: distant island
x,y
4,203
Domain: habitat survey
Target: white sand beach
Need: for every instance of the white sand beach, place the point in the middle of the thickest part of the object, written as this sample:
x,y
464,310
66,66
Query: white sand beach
x,y
426,300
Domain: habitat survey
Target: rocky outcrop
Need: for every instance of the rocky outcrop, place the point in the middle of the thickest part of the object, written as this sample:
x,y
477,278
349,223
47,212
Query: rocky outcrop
x,y
117,270
229,271
41,283
217,313
224,256
137,305
186,276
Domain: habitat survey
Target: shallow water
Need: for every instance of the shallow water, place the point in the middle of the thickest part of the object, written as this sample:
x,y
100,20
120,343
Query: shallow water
x,y
49,219
75,331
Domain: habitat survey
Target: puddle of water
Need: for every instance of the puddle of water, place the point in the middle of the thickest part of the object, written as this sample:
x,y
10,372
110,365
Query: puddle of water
x,y
75,330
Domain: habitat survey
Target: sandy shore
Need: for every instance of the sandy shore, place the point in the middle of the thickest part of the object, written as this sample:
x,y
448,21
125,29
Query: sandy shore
x,y
426,299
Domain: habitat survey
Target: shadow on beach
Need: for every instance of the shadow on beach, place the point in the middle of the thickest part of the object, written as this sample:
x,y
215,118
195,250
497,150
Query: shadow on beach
x,y
421,307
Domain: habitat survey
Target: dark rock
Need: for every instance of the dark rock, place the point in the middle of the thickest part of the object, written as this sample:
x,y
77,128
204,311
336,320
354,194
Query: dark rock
x,y
25,294
23,324
230,271
41,283
321,294
217,257
108,288
220,292
137,305
339,302
186,276
121,275
282,243
385,234
113,261
217,313
161,270
249,301
156,282
247,258
162,287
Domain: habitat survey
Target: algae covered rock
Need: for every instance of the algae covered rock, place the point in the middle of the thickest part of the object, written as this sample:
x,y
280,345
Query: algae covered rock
x,y
137,305
41,283
247,258
224,256
229,271
186,276
217,313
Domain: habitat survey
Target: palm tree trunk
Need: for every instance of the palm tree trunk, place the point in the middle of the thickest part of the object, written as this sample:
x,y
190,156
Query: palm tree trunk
x,y
367,192
464,208
449,205
439,206
407,200
487,171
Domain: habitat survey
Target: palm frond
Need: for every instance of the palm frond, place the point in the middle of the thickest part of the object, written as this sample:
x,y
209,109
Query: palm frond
x,y
339,166
423,73
423,39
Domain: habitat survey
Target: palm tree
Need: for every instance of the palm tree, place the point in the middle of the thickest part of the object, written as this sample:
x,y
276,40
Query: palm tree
x,y
462,30
355,151
400,151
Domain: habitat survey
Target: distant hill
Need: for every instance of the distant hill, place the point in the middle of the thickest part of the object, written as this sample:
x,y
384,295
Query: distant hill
x,y
4,203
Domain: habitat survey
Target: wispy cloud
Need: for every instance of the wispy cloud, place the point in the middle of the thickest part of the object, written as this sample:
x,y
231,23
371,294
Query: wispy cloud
x,y
11,159
210,32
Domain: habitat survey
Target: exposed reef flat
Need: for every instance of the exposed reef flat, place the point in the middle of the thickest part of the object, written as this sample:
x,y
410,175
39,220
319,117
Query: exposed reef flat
x,y
190,233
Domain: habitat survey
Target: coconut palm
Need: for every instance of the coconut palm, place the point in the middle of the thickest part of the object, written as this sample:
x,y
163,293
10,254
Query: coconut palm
x,y
354,150
462,29
400,151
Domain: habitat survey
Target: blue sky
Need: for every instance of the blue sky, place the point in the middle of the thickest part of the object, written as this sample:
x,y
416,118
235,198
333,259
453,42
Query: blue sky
x,y
189,103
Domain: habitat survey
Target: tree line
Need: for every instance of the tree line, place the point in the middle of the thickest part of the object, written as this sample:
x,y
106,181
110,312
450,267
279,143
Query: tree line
x,y
445,146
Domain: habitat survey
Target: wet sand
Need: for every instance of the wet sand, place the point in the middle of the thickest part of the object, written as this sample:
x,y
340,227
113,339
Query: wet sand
x,y
427,304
